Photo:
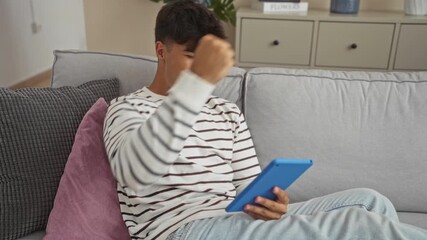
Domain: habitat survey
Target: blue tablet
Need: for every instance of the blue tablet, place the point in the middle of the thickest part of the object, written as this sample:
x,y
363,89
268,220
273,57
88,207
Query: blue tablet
x,y
280,172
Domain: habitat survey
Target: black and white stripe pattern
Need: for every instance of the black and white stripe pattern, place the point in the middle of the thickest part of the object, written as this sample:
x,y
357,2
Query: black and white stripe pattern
x,y
177,158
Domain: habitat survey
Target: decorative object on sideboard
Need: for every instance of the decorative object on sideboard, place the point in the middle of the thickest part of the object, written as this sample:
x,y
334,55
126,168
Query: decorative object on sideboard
x,y
280,6
345,6
223,9
295,1
416,7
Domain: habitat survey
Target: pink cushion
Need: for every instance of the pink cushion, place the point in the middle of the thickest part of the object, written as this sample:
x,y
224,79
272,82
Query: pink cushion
x,y
86,205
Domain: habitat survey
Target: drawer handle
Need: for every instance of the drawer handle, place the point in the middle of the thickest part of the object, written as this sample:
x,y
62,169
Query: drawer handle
x,y
275,42
353,46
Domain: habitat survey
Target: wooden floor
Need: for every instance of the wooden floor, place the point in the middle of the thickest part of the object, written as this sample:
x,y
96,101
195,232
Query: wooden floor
x,y
39,81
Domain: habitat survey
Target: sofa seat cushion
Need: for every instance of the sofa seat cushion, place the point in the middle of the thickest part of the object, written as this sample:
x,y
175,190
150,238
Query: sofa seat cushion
x,y
37,129
413,218
416,219
362,129
34,236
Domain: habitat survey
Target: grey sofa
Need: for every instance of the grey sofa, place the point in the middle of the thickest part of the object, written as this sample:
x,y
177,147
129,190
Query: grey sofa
x,y
362,129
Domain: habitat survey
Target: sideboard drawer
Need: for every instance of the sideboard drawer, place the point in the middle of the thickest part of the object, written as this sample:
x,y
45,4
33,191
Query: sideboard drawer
x,y
411,51
276,41
354,45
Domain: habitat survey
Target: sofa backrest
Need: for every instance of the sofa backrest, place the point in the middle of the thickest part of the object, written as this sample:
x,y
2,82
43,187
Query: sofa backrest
x,y
361,129
72,68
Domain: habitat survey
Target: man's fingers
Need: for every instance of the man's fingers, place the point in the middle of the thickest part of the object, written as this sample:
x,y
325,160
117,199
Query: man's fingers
x,y
277,207
282,195
255,216
263,213
269,209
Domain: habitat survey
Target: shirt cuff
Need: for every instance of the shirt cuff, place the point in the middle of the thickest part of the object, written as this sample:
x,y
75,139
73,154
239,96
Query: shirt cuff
x,y
192,90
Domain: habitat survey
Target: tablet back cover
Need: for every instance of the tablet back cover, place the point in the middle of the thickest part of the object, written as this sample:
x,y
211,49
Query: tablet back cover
x,y
280,172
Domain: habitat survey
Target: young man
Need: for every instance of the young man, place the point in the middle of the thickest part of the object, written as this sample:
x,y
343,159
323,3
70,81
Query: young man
x,y
180,155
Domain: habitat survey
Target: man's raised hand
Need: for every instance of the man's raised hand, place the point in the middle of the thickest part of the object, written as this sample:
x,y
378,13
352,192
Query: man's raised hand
x,y
213,58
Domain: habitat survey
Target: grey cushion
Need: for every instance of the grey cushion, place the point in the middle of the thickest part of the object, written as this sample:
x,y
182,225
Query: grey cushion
x,y
361,129
37,128
72,68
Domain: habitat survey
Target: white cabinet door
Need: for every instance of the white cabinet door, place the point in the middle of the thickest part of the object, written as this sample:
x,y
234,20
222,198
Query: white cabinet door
x,y
354,45
276,41
411,51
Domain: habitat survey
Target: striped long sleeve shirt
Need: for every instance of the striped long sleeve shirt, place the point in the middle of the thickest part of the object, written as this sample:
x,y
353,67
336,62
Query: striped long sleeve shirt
x,y
177,158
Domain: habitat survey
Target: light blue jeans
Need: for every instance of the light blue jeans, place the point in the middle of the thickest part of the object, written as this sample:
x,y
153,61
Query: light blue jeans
x,y
352,214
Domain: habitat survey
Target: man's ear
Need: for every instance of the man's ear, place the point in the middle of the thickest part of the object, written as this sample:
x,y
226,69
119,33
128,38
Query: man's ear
x,y
160,50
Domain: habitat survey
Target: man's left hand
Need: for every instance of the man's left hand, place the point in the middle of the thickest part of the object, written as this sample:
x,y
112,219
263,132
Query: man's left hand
x,y
269,209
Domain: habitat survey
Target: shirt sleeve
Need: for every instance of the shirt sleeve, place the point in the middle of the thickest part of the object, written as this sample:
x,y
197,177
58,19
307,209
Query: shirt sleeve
x,y
244,163
141,150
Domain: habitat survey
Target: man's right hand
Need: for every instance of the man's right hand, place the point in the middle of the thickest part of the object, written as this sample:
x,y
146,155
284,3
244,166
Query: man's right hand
x,y
213,58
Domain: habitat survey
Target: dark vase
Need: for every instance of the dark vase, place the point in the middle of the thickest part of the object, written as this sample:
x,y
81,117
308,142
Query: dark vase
x,y
345,6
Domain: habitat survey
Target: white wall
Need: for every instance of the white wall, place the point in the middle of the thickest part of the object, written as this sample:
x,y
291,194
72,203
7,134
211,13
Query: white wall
x,y
128,26
121,26
24,54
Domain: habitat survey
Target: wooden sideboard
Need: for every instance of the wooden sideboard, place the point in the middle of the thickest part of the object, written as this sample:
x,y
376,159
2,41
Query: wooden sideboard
x,y
370,40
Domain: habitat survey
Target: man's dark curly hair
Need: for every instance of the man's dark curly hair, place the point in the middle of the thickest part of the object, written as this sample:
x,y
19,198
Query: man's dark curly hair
x,y
186,22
